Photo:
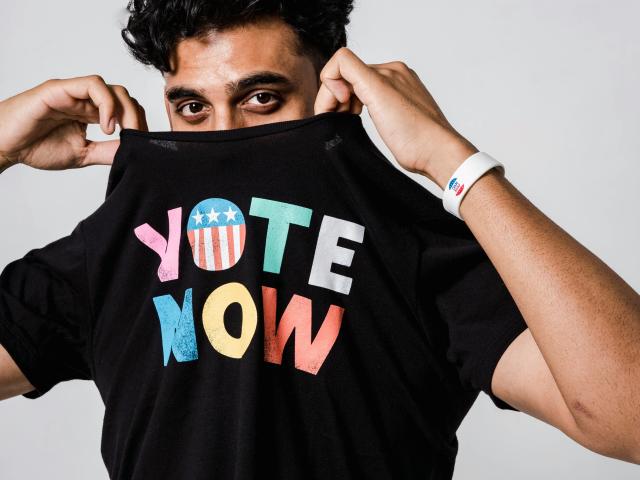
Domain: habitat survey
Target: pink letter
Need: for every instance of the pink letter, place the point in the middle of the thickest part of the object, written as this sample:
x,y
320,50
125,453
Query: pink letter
x,y
169,252
309,356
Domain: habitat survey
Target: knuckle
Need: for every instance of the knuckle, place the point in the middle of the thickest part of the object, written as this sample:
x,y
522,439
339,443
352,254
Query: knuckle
x,y
120,89
387,80
51,82
323,75
401,65
96,78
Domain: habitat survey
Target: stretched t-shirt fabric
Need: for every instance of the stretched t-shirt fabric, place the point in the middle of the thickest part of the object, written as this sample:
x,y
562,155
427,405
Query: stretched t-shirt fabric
x,y
275,301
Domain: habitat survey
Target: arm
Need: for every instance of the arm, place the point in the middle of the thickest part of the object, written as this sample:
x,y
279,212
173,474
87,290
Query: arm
x,y
12,380
577,365
45,128
582,348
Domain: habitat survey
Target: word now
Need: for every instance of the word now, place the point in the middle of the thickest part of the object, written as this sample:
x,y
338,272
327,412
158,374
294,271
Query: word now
x,y
178,330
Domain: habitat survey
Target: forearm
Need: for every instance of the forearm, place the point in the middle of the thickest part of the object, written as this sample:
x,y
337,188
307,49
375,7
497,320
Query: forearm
x,y
4,144
583,316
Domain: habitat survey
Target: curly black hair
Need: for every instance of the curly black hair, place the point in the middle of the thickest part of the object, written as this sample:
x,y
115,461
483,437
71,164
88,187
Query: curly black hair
x,y
155,27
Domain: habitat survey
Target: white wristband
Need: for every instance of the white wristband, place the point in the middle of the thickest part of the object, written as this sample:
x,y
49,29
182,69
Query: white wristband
x,y
466,175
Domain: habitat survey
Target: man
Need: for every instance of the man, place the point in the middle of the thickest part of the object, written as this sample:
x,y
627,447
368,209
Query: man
x,y
253,63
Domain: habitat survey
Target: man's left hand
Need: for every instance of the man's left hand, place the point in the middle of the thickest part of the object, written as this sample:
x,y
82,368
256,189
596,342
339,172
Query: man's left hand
x,y
403,111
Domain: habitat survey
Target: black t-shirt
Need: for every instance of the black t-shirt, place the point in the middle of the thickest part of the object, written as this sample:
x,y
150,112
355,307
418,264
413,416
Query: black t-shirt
x,y
275,301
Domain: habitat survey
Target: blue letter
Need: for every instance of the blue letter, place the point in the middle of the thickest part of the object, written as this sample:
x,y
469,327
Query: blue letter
x,y
176,326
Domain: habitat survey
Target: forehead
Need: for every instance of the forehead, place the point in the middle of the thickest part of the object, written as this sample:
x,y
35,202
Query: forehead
x,y
226,55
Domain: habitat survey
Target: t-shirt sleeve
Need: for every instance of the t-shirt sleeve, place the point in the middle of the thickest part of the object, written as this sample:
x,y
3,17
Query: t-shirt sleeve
x,y
45,313
481,317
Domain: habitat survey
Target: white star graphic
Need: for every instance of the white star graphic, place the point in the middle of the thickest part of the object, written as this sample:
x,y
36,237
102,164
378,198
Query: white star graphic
x,y
213,215
198,217
231,214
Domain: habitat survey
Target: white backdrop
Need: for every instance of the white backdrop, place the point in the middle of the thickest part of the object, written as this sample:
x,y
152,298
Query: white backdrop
x,y
547,87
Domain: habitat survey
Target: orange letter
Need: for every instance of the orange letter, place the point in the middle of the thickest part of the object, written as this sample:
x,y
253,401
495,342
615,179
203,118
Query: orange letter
x,y
309,356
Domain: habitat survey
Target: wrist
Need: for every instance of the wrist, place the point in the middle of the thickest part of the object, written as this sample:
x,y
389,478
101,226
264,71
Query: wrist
x,y
464,179
448,157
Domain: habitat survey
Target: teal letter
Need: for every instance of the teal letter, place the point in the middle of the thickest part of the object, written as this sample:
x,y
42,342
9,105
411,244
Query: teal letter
x,y
280,215
176,326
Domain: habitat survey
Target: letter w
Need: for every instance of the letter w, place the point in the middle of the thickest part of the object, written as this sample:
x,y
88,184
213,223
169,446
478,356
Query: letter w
x,y
308,356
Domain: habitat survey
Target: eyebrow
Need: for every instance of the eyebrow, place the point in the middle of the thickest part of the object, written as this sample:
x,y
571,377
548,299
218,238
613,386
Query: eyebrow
x,y
258,78
233,88
178,93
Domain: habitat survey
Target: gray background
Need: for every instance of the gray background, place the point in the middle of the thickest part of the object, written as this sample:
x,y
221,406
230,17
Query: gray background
x,y
547,87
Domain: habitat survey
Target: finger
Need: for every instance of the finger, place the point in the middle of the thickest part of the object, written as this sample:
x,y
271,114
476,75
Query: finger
x,y
356,105
343,93
127,108
143,119
100,153
340,89
346,106
86,113
325,100
396,65
346,66
95,89
335,96
61,106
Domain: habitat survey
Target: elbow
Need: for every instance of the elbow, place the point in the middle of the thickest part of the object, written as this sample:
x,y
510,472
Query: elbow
x,y
620,452
631,455
619,438
618,449
635,454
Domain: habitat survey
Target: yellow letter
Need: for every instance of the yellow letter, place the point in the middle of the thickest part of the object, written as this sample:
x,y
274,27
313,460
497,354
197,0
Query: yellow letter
x,y
213,319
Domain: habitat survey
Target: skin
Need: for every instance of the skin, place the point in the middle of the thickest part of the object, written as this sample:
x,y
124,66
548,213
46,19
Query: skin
x,y
575,367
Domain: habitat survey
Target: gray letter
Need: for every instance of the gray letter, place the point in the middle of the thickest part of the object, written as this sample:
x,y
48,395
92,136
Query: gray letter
x,y
329,252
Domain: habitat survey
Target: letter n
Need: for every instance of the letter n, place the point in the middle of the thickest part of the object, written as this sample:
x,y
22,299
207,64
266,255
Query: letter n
x,y
177,328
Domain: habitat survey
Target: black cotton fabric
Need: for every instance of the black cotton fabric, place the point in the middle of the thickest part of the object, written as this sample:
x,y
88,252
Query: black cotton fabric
x,y
274,301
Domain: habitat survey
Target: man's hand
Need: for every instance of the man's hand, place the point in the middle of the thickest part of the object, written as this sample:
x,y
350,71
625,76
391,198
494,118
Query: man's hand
x,y
405,114
45,127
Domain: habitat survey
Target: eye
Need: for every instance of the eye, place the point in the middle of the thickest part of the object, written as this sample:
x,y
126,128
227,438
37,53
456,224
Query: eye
x,y
191,109
262,98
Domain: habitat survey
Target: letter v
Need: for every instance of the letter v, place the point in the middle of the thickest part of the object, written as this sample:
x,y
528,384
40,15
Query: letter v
x,y
169,252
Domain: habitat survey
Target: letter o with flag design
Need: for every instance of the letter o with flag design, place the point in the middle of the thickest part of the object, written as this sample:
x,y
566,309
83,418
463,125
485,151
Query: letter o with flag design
x,y
216,231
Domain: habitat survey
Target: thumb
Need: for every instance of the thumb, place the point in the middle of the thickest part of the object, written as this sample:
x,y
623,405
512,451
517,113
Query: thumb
x,y
100,153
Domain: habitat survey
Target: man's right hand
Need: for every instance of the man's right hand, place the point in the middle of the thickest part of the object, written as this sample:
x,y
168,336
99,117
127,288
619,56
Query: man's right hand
x,y
45,127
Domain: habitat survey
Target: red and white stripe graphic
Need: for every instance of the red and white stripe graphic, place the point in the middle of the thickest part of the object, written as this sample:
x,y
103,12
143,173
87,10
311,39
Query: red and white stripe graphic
x,y
217,248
